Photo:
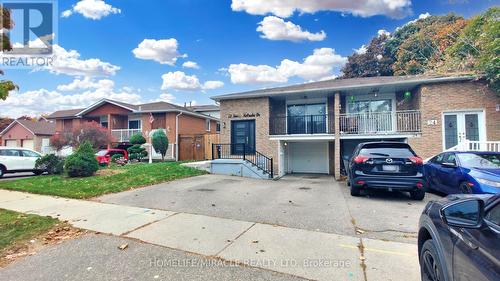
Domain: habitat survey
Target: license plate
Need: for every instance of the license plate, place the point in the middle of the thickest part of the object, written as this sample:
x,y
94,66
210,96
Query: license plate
x,y
390,168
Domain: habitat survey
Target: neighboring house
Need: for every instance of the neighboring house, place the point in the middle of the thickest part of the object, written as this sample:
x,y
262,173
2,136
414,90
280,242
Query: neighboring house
x,y
309,128
209,109
29,134
124,120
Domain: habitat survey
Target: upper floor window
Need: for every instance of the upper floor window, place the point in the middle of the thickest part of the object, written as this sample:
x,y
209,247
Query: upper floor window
x,y
306,109
207,124
134,124
217,128
103,120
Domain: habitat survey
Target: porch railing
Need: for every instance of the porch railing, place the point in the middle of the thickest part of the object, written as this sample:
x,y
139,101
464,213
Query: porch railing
x,y
301,124
493,146
243,152
408,121
123,135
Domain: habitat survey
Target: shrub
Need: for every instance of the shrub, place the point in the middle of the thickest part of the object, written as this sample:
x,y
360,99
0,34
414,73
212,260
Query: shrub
x,y
50,163
92,132
136,151
121,161
116,156
82,163
137,139
160,143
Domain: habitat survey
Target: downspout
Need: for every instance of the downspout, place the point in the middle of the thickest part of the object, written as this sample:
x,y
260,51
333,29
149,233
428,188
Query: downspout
x,y
177,136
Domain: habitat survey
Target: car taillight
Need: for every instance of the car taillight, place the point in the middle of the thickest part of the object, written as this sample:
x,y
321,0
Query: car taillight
x,y
416,160
360,159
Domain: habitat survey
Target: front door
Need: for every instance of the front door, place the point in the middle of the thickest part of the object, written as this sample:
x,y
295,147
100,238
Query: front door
x,y
461,126
243,136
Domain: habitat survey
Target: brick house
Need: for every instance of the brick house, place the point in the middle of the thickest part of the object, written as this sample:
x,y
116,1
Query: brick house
x,y
124,120
30,134
311,127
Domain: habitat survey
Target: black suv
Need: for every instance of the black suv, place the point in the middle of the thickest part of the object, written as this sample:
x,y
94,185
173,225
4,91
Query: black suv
x,y
459,239
392,166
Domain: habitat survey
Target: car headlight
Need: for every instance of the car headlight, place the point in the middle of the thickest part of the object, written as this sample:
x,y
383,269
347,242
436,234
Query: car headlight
x,y
488,182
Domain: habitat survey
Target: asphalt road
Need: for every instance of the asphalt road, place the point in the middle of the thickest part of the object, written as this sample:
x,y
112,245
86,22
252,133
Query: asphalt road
x,y
310,202
16,176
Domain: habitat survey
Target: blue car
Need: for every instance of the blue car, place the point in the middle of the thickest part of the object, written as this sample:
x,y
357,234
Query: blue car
x,y
464,172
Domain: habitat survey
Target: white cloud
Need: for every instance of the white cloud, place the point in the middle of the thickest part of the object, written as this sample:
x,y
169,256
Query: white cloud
x,y
383,32
163,51
317,66
362,50
88,83
167,97
92,9
178,80
211,85
274,28
286,8
424,16
190,64
44,101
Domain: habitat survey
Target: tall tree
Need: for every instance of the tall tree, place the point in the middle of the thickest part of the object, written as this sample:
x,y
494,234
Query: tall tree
x,y
7,24
371,62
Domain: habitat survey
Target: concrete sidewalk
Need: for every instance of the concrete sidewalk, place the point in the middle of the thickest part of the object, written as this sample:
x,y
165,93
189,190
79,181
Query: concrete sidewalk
x,y
303,253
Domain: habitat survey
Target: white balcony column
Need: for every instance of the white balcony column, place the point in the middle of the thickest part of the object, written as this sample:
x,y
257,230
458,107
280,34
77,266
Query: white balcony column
x,y
336,115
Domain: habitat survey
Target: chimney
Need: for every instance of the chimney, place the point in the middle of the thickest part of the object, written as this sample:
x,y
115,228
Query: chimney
x,y
184,104
190,104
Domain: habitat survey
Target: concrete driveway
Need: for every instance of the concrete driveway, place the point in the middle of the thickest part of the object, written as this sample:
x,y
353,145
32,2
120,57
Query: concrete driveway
x,y
311,202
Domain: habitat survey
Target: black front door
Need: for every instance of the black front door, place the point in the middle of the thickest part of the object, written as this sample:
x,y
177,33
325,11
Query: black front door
x,y
243,136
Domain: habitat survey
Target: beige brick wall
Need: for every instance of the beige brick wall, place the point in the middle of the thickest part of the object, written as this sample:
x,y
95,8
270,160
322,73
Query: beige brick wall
x,y
241,107
438,98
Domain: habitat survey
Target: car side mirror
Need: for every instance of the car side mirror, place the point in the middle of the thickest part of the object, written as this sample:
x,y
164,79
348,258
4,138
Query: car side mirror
x,y
449,165
468,213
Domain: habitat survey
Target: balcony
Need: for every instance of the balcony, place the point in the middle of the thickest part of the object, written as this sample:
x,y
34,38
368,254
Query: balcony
x,y
123,135
380,123
301,125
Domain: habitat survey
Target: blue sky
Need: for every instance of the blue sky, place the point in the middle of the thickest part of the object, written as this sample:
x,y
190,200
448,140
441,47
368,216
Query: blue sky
x,y
294,44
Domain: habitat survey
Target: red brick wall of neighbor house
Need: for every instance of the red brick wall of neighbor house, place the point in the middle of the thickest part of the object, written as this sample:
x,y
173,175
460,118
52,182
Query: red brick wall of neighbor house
x,y
106,109
192,125
18,133
437,98
255,105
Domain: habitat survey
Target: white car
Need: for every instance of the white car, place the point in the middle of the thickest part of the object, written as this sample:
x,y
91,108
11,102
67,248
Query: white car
x,y
17,160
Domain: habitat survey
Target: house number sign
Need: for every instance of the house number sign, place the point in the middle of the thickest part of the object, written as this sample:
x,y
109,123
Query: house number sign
x,y
246,114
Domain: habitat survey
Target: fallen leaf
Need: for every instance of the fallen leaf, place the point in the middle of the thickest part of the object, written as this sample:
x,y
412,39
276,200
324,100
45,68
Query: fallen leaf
x,y
123,247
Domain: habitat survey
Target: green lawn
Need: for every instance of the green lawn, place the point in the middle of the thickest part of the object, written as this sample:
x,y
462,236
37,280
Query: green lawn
x,y
114,179
18,228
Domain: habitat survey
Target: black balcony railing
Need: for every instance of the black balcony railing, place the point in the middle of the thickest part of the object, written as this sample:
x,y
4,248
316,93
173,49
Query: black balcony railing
x,y
301,124
242,151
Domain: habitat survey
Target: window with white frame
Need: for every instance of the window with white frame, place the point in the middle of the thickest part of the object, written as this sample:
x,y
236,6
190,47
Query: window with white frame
x,y
134,124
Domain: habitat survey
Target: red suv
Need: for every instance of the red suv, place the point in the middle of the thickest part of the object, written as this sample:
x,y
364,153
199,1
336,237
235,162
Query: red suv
x,y
104,156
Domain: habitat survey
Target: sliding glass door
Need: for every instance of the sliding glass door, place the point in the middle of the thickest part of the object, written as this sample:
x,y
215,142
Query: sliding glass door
x,y
306,118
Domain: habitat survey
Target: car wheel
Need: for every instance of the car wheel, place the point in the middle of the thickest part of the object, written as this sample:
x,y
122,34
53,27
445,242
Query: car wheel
x,y
2,171
37,172
417,195
355,191
430,264
465,188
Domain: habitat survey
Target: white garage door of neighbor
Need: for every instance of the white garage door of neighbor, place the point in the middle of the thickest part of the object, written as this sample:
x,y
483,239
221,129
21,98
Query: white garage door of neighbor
x,y
309,157
28,144
11,143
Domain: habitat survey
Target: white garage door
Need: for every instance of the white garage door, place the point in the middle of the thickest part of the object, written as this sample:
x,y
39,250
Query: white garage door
x,y
28,144
11,143
308,157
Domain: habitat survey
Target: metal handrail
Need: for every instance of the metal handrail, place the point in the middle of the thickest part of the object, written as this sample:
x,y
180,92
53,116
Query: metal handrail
x,y
404,121
301,124
241,151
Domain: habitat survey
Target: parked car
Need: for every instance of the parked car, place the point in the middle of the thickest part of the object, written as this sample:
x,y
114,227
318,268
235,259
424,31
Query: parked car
x,y
459,238
104,156
18,160
464,172
392,166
